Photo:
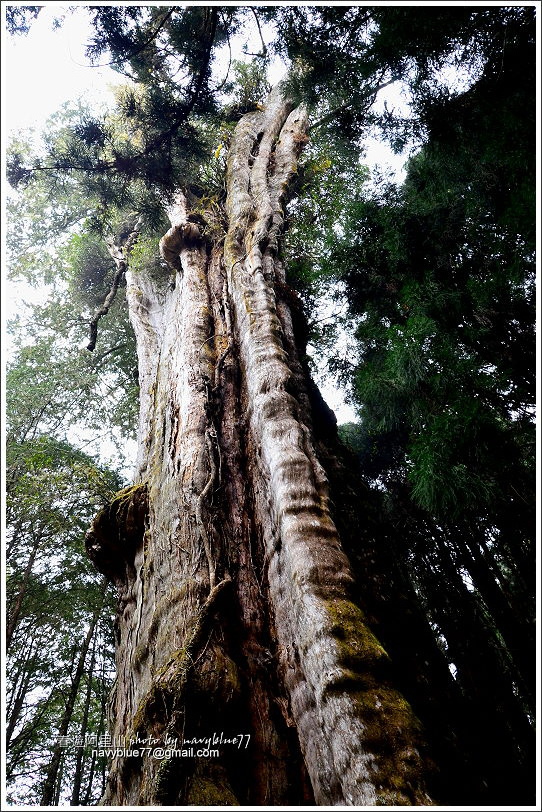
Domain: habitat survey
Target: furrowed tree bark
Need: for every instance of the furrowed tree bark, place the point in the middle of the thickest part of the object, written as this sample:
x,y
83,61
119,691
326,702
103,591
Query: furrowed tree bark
x,y
235,597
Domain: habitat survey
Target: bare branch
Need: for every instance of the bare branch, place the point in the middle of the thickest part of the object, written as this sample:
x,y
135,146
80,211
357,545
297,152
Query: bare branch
x,y
120,256
370,99
263,53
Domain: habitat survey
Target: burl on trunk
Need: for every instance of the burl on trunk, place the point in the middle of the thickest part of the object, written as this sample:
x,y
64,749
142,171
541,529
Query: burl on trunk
x,y
235,597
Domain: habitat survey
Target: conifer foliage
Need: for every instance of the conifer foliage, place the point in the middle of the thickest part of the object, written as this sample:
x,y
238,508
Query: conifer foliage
x,y
432,491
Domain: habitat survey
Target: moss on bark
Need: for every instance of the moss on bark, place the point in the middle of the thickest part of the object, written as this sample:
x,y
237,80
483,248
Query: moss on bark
x,y
117,531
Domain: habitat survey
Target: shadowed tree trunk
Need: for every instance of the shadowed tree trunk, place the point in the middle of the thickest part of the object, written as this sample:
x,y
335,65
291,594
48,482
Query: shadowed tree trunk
x,y
15,611
235,597
21,685
52,784
80,761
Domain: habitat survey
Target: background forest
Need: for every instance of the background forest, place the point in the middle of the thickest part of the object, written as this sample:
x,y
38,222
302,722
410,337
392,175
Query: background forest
x,y
433,281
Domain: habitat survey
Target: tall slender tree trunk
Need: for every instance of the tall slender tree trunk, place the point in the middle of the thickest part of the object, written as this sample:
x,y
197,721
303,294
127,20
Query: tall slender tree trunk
x,y
83,730
15,611
51,785
21,686
235,597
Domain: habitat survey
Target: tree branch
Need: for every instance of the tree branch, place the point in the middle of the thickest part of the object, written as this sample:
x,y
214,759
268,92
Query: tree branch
x,y
221,85
139,48
120,257
330,116
195,93
122,164
263,52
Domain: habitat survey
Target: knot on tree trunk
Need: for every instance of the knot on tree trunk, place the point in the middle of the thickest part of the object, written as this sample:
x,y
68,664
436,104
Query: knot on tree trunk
x,y
179,237
117,531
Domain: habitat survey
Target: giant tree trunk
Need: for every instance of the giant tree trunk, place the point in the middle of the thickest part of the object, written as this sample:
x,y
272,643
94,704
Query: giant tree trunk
x,y
235,609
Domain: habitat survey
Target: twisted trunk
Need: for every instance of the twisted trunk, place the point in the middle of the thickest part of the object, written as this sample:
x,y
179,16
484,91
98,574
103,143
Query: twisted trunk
x,y
235,608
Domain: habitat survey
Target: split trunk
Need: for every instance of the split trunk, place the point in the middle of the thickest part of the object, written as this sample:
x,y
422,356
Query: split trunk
x,y
235,596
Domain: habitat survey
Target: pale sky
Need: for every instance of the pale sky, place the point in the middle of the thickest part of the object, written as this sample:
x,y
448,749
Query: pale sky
x,y
46,68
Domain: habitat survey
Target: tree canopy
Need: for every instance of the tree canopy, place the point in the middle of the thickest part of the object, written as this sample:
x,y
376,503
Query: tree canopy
x,y
437,277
